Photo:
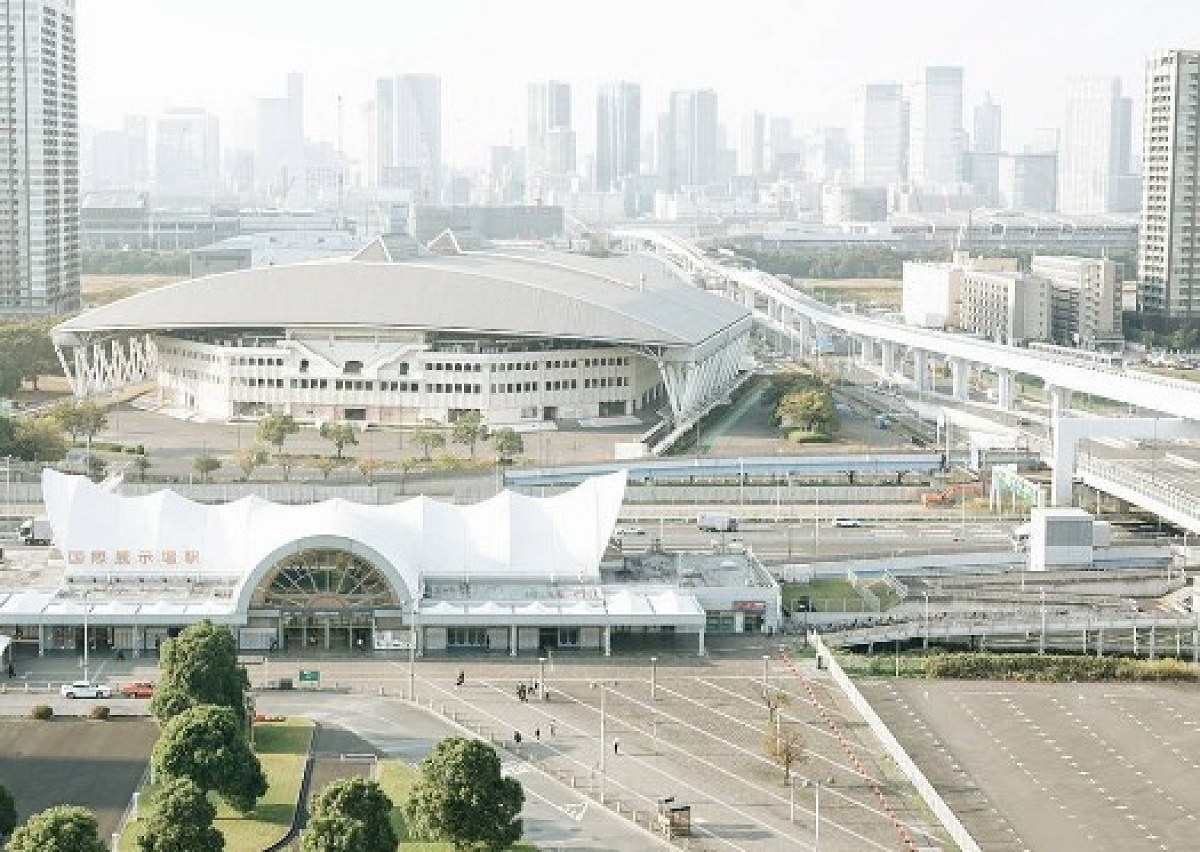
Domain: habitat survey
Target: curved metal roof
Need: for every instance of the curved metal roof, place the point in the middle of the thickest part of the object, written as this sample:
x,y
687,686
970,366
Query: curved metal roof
x,y
537,296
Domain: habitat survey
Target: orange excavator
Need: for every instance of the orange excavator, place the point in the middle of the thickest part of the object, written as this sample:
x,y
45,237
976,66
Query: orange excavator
x,y
968,489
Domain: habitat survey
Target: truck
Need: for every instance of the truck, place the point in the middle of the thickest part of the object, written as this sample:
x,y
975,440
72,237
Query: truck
x,y
717,523
36,530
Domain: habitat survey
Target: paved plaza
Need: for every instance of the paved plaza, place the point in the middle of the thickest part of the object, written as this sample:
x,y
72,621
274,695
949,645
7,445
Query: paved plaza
x,y
1066,767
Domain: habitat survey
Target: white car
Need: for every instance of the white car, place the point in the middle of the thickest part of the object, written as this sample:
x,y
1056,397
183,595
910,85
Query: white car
x,y
846,522
84,689
621,532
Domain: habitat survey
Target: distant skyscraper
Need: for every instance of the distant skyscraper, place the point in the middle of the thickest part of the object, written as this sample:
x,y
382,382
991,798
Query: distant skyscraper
x,y
689,152
39,146
408,134
881,135
936,134
279,148
187,156
752,145
549,113
1095,147
121,158
987,127
618,134
1168,262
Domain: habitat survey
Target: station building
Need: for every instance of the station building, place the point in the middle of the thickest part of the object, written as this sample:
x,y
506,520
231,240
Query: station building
x,y
510,575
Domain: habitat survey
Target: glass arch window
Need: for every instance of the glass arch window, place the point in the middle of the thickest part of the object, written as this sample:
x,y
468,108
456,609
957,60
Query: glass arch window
x,y
324,579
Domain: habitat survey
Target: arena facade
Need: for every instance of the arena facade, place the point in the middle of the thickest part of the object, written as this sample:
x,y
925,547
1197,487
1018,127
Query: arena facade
x,y
518,336
510,575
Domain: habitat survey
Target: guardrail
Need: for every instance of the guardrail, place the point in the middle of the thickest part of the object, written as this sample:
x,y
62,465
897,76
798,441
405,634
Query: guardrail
x,y
933,800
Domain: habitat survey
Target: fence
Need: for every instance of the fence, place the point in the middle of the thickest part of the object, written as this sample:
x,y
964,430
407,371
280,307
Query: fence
x,y
931,797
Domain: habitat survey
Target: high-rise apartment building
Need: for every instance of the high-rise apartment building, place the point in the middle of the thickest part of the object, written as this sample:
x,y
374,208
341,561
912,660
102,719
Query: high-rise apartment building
x,y
1169,238
688,147
986,138
187,156
618,134
752,145
550,139
881,128
408,134
936,134
1094,154
39,160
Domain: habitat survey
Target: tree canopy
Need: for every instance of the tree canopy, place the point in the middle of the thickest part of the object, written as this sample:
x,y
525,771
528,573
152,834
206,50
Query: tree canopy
x,y
333,833
61,829
37,439
79,419
340,435
26,352
469,429
199,666
8,812
205,465
182,821
428,438
363,803
461,797
507,443
275,428
208,745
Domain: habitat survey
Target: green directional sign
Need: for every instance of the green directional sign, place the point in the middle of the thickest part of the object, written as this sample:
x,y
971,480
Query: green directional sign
x,y
309,675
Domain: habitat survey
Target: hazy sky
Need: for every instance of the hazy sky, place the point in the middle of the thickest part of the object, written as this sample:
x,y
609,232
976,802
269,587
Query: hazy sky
x,y
801,59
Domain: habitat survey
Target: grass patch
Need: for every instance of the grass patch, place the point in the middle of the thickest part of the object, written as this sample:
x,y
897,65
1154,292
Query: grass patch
x,y
397,778
281,748
888,596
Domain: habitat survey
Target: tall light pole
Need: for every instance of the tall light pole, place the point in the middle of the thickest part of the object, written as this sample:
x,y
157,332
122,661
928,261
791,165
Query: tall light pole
x,y
86,607
1042,639
412,654
817,818
926,619
766,672
542,674
654,678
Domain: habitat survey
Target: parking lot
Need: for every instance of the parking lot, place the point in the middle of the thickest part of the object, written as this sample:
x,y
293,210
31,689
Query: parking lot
x,y
1055,766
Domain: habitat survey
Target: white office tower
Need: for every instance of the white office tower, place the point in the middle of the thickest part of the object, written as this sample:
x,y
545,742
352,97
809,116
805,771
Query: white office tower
x,y
408,134
187,157
936,135
752,145
39,144
279,143
688,147
548,135
881,131
987,127
618,134
1168,259
1094,154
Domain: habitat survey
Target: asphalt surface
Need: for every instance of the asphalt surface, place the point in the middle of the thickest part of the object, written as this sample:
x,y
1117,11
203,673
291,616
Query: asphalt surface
x,y
1060,767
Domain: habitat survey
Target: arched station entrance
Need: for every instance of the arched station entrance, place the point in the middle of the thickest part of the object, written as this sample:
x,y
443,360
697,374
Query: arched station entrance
x,y
327,599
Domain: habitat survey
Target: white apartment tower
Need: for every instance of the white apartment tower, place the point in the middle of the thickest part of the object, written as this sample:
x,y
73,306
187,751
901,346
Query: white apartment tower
x,y
550,140
1169,237
618,134
881,146
1094,153
39,147
936,135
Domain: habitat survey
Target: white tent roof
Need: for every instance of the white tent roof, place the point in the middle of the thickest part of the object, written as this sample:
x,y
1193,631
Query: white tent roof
x,y
509,535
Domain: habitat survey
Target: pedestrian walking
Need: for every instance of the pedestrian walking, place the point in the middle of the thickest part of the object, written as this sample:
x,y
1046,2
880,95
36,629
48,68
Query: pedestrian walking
x,y
462,678
551,728
616,746
517,738
537,734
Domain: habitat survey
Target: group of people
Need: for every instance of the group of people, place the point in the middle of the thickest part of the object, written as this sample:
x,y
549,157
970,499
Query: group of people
x,y
537,734
524,691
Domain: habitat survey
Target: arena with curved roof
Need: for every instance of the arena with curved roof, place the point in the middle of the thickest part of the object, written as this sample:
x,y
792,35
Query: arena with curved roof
x,y
515,336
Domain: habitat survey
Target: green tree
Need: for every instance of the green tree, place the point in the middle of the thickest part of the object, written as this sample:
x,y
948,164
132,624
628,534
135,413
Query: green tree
x,y
8,812
40,440
182,821
462,798
60,829
325,465
507,444
96,467
362,801
275,428
1148,337
340,435
333,833
428,438
141,464
199,666
205,465
468,430
248,459
79,419
812,409
208,745
286,462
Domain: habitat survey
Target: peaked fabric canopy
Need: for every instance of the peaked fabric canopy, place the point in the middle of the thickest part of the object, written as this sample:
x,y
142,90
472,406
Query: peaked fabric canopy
x,y
509,535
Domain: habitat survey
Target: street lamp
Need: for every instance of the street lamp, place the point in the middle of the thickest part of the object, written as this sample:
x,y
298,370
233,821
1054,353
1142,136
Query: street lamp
x,y
603,737
86,607
926,619
1042,639
653,678
412,654
766,664
542,674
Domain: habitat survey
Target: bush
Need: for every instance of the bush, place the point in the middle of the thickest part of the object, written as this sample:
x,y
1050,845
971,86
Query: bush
x,y
42,712
803,436
1055,668
100,711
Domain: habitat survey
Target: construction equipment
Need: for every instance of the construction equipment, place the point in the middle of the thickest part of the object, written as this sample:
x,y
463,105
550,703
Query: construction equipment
x,y
962,491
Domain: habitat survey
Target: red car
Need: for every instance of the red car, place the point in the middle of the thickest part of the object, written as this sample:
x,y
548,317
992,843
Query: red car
x,y
137,689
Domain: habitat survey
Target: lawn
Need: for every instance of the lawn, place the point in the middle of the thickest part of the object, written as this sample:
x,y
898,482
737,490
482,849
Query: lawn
x,y
397,778
282,748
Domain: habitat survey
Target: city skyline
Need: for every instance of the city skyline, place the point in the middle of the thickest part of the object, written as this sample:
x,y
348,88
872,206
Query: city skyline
x,y
786,59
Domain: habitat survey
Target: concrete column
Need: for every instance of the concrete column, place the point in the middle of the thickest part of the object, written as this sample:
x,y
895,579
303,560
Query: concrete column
x,y
1060,401
888,358
960,378
700,652
608,640
920,370
804,335
41,640
512,640
1006,387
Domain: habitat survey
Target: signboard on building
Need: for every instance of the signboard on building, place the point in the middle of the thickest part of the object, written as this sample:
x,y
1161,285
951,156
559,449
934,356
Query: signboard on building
x,y
309,676
749,606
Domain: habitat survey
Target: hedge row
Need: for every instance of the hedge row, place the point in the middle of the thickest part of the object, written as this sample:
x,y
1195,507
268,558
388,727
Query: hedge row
x,y
1056,668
